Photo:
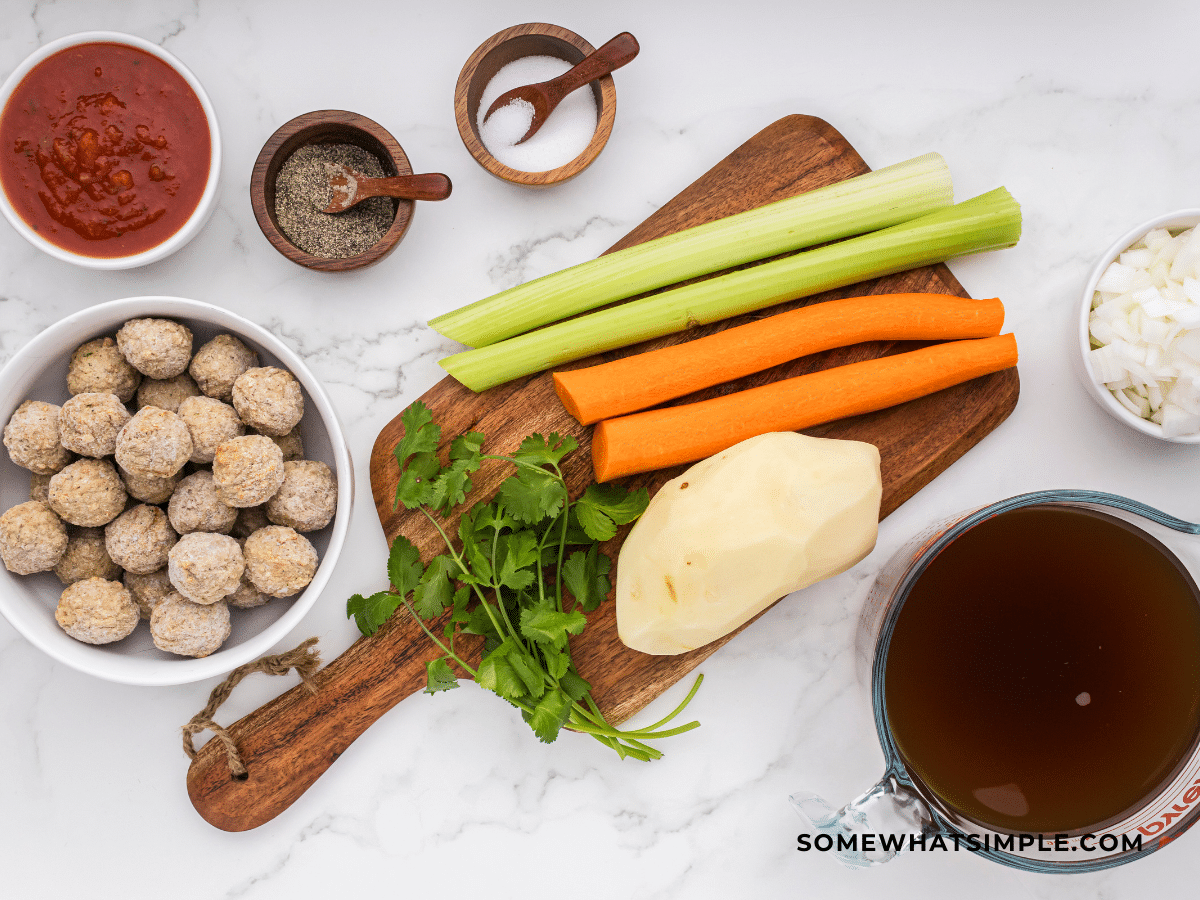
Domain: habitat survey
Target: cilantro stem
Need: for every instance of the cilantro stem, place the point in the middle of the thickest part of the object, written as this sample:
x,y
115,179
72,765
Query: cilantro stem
x,y
433,637
562,549
463,568
677,710
499,597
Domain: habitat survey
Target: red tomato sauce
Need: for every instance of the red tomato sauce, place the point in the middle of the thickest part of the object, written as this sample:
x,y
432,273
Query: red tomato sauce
x,y
104,150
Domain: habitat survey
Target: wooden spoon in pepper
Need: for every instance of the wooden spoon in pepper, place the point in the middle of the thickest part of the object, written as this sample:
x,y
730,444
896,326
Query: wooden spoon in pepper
x,y
350,187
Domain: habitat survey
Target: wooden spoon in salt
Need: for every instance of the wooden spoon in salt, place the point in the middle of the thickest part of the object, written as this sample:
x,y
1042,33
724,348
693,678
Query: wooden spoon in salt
x,y
546,95
350,187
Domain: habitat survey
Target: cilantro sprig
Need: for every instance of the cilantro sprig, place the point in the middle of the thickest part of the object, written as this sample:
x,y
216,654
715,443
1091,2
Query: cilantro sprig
x,y
525,569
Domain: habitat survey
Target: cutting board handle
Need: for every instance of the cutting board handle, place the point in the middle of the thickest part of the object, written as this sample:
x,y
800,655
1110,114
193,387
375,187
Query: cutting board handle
x,y
288,743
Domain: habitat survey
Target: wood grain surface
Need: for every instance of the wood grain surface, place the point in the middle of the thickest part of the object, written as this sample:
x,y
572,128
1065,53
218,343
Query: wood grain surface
x,y
289,742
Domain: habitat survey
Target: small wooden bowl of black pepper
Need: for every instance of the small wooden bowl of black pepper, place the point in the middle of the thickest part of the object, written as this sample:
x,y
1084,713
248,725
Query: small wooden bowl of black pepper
x,y
284,182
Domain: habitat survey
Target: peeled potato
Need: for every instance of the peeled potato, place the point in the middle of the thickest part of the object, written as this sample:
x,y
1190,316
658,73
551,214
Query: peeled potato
x,y
741,529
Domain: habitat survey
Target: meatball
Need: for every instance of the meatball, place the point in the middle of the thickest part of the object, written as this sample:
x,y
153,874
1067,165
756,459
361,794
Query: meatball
x,y
307,498
196,506
96,611
39,487
248,470
86,557
189,629
149,488
88,492
99,367
218,363
279,561
210,423
269,400
32,538
249,520
292,444
154,442
140,539
205,567
32,439
158,348
89,423
148,590
166,393
247,596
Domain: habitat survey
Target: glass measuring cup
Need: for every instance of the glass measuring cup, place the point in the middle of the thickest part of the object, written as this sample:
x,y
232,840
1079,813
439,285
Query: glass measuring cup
x,y
901,812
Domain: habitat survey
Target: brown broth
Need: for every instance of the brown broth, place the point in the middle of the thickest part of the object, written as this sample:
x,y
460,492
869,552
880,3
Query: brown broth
x,y
1044,671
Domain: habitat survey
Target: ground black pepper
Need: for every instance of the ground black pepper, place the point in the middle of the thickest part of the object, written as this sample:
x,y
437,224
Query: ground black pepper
x,y
302,192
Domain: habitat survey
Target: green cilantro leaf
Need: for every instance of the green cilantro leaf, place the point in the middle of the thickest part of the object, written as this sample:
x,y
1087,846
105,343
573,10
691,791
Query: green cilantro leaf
x,y
492,516
574,685
439,677
480,623
371,612
585,574
533,494
453,483
605,506
549,716
421,435
516,555
474,537
467,448
404,565
537,450
530,677
496,673
416,486
558,662
596,525
434,592
461,615
543,624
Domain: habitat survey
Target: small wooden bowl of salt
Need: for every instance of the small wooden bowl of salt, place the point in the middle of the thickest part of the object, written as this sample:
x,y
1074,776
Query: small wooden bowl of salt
x,y
572,137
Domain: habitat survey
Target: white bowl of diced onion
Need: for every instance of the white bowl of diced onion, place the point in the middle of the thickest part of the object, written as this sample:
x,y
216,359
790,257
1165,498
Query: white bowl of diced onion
x,y
1139,328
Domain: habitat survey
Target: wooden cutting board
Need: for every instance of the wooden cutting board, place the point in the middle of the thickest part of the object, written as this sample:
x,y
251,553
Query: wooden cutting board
x,y
290,741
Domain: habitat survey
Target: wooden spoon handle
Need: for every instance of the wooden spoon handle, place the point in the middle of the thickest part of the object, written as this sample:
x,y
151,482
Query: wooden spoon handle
x,y
288,743
430,186
601,61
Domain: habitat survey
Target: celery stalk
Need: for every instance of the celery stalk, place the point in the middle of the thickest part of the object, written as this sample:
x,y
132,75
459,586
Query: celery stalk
x,y
987,222
855,206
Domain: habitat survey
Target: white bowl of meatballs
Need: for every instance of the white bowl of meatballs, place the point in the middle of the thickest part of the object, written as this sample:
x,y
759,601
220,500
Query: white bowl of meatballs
x,y
174,492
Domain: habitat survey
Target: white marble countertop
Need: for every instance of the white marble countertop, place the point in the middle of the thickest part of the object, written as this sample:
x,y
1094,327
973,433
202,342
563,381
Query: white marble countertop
x,y
1091,119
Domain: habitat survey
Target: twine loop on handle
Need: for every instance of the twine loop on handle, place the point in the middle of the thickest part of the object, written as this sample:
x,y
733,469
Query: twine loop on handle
x,y
304,659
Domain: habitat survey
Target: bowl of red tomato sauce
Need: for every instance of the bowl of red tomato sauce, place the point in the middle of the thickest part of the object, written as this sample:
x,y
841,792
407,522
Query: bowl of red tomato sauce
x,y
110,152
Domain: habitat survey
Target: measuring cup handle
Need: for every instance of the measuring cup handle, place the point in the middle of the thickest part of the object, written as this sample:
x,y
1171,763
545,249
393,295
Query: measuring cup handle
x,y
872,828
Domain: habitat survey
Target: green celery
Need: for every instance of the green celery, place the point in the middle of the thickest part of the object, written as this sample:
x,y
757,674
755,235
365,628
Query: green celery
x,y
855,206
988,222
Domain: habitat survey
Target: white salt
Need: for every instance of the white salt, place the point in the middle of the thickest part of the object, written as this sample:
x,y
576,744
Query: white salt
x,y
508,124
563,136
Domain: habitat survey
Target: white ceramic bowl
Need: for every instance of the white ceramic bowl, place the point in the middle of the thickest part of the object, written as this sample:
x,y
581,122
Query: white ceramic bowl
x,y
204,208
38,372
1175,221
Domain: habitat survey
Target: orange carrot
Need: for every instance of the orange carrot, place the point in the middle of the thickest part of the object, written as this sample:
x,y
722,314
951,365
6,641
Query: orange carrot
x,y
680,434
648,379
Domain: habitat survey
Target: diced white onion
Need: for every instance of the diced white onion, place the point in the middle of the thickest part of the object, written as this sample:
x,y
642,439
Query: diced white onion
x,y
1145,330
1117,278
